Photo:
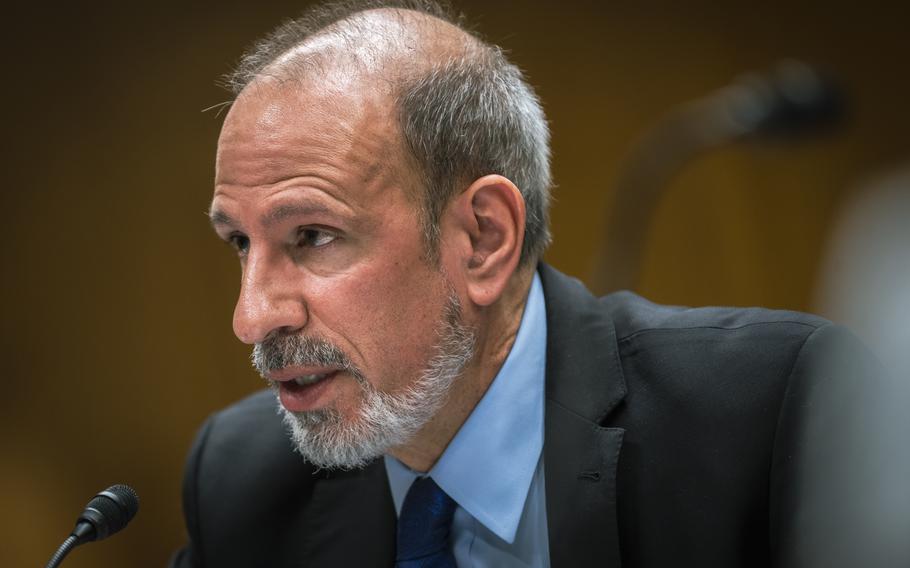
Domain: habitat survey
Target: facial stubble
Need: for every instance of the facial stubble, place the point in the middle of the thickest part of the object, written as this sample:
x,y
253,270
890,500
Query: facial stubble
x,y
328,439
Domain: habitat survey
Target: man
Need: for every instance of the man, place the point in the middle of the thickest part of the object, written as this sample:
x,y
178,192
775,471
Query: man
x,y
383,176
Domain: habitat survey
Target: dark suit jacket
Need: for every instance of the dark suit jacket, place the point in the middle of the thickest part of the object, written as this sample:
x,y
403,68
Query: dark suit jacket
x,y
672,438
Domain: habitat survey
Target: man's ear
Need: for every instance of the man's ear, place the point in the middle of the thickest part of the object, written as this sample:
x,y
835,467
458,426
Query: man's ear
x,y
490,215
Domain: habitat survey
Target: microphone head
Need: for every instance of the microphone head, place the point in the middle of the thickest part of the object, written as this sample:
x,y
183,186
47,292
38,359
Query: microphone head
x,y
794,99
108,512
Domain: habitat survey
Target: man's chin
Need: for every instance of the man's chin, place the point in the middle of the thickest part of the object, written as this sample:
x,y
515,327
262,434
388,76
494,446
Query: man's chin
x,y
326,440
309,418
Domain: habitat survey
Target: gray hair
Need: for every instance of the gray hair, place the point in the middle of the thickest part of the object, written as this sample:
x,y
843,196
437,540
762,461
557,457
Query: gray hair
x,y
460,118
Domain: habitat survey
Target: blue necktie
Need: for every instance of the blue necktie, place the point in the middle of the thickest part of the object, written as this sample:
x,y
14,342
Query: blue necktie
x,y
423,527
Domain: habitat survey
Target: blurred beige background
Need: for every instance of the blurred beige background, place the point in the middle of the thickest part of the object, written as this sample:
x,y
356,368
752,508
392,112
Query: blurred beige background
x,y
117,298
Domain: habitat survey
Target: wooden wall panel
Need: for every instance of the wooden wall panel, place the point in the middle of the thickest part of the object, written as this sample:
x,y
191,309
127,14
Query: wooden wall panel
x,y
116,338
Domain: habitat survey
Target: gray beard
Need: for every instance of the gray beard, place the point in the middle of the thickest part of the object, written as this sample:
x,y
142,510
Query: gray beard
x,y
325,438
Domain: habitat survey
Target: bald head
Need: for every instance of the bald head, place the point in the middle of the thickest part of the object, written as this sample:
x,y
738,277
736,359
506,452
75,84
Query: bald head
x,y
386,45
463,110
381,50
364,37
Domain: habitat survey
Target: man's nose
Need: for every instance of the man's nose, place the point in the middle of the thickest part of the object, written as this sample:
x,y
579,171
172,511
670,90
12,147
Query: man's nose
x,y
270,300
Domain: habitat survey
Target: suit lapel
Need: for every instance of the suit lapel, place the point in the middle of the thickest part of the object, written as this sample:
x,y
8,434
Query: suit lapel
x,y
584,383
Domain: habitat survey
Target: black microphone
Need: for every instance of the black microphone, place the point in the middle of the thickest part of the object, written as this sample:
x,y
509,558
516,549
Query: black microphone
x,y
108,512
793,99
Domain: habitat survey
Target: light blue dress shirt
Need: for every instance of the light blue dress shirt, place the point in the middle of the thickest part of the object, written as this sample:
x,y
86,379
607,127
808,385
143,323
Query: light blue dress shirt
x,y
493,468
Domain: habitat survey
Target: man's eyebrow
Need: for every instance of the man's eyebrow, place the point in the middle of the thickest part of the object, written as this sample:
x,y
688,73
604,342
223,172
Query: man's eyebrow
x,y
217,217
276,215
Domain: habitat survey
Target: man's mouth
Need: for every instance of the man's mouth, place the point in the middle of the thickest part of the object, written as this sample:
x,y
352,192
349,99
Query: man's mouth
x,y
305,380
301,374
304,391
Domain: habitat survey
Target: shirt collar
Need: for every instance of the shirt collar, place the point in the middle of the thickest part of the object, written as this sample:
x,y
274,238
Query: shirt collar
x,y
489,465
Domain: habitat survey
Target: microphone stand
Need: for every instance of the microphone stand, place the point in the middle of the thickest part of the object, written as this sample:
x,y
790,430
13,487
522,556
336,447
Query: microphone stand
x,y
84,532
793,99
69,544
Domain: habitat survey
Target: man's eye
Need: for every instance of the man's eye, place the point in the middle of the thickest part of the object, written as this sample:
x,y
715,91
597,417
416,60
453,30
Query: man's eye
x,y
240,243
314,238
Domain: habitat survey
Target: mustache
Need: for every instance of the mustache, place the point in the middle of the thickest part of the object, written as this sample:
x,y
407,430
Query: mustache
x,y
283,351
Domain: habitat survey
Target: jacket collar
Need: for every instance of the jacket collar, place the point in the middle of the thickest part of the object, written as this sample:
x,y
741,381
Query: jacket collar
x,y
584,384
584,374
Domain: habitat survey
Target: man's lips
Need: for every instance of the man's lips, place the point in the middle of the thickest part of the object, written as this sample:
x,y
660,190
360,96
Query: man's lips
x,y
297,373
302,389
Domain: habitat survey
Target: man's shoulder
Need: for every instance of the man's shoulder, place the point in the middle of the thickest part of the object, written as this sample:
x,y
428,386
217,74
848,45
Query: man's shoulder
x,y
637,344
634,316
635,319
703,347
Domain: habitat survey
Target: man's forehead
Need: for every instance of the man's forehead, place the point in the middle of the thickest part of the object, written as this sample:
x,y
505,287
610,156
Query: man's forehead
x,y
279,125
269,106
346,145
